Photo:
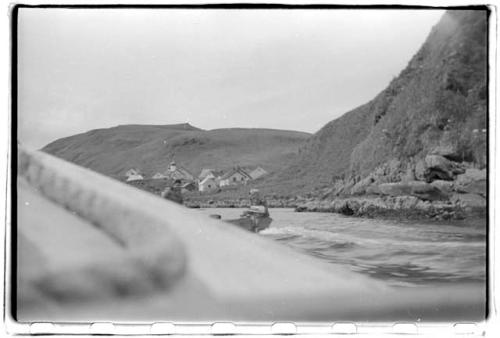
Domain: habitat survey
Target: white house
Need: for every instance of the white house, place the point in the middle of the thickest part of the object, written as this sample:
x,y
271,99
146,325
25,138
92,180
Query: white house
x,y
178,173
133,175
234,177
257,172
208,184
206,172
158,176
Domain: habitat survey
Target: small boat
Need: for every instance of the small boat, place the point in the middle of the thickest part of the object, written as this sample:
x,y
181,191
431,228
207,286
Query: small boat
x,y
255,219
252,223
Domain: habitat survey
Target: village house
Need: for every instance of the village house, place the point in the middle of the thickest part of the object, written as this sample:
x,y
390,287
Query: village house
x,y
176,172
206,172
210,172
133,175
188,186
234,177
257,172
208,184
158,176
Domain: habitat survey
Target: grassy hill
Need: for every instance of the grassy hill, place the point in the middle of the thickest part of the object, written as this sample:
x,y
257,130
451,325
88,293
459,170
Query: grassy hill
x,y
113,151
439,99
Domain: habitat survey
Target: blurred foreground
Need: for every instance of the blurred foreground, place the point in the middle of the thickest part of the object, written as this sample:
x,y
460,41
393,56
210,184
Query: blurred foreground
x,y
94,249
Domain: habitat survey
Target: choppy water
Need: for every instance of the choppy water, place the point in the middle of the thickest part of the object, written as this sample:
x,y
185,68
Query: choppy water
x,y
402,253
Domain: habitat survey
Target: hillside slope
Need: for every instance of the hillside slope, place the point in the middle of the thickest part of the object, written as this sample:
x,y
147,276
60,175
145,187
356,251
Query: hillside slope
x,y
150,148
439,99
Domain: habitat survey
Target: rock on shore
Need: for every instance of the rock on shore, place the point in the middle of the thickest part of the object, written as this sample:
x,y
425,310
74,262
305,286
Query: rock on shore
x,y
432,187
388,206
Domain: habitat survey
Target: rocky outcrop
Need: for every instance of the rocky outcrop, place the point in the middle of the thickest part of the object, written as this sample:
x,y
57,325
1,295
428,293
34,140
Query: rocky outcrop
x,y
408,207
373,190
434,186
448,151
438,167
361,187
446,187
420,170
469,201
472,181
418,189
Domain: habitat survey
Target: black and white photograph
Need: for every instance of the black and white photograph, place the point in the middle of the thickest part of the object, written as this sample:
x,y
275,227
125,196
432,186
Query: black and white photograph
x,y
250,164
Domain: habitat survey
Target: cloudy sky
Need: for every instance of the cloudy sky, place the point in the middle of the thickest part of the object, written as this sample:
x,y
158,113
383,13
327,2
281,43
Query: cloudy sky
x,y
81,69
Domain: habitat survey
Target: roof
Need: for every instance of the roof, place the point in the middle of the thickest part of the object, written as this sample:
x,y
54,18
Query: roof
x,y
234,171
133,170
258,172
183,171
206,179
259,168
205,172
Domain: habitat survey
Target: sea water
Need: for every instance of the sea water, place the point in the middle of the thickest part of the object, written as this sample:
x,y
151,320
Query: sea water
x,y
397,251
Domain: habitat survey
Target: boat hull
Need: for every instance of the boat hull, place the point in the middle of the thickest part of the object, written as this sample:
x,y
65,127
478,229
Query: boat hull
x,y
254,224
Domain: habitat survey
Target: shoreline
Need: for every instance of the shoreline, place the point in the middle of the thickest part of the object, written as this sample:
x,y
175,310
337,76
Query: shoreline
x,y
386,207
395,208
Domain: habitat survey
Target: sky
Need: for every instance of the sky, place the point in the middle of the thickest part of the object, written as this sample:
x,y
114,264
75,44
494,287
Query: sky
x,y
82,69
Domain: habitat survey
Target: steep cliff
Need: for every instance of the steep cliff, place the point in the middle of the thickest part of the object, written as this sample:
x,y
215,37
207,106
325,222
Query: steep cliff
x,y
437,104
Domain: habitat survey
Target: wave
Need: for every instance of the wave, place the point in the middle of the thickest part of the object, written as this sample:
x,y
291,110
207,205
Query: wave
x,y
324,236
318,239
